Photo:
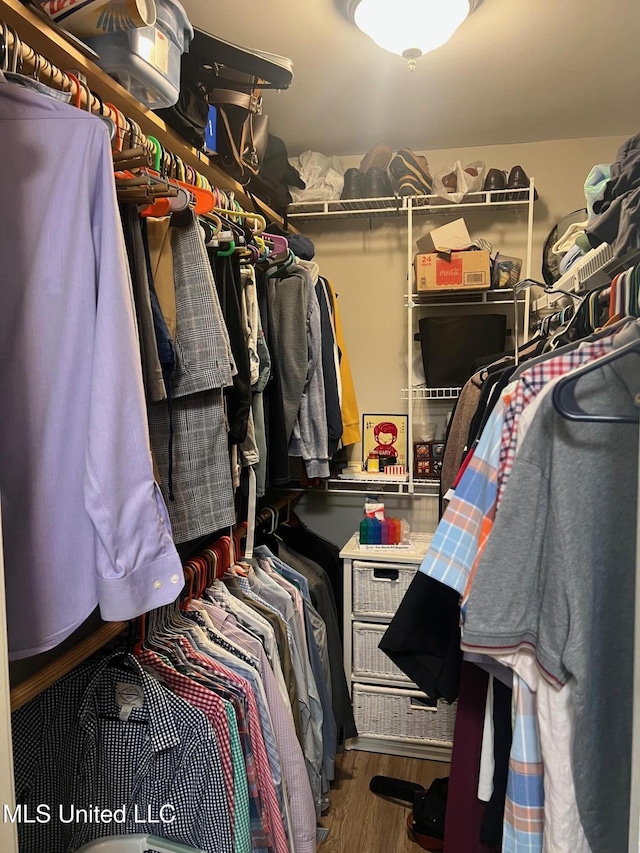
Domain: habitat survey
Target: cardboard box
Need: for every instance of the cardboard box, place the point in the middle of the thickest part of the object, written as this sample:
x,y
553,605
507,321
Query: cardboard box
x,y
459,271
452,237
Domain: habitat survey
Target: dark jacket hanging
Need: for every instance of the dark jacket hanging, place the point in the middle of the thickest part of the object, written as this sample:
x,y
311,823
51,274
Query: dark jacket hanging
x,y
277,441
226,271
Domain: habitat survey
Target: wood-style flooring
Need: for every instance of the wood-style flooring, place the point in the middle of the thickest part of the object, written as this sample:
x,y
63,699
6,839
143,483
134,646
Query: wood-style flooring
x,y
361,822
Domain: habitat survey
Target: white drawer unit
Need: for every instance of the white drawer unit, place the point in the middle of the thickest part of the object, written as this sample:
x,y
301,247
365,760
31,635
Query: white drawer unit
x,y
400,714
392,715
378,588
369,663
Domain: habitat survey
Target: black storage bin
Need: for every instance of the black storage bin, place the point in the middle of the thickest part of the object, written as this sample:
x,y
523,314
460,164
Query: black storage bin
x,y
451,345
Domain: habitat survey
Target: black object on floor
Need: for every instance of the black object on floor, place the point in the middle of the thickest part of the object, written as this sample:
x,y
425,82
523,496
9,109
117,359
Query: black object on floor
x,y
426,823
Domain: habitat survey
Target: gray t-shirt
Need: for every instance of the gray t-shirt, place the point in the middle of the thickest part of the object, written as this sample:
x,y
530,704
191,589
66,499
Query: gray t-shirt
x,y
558,576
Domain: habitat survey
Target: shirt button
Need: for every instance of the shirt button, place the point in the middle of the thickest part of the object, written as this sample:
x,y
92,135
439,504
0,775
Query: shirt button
x,y
175,578
157,584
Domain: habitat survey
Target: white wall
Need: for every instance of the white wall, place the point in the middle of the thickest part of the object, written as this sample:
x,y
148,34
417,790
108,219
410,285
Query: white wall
x,y
367,263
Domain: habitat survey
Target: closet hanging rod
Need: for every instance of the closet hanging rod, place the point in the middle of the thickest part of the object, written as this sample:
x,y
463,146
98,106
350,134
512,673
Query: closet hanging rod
x,y
37,683
44,678
31,63
260,221
286,501
46,52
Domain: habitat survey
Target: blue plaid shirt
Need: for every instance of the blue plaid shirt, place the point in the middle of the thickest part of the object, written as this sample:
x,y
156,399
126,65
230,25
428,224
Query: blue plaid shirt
x,y
77,744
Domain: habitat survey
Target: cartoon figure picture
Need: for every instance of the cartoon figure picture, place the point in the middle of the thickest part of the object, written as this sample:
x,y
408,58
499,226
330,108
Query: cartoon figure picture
x,y
385,435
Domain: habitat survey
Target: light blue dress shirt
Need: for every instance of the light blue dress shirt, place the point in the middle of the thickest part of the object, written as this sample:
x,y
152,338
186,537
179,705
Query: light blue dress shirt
x,y
84,522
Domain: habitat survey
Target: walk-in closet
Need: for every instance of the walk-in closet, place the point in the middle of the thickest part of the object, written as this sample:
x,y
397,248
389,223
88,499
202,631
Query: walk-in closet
x,y
319,426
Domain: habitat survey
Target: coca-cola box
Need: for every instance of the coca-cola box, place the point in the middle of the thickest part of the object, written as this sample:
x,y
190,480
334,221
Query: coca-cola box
x,y
469,270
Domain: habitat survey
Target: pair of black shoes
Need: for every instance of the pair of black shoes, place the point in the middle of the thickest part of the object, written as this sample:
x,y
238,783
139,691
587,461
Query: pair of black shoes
x,y
518,179
372,184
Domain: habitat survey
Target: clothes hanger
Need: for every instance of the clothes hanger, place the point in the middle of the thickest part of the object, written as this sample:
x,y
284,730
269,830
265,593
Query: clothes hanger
x,y
564,399
204,199
204,570
279,243
277,265
118,141
3,44
225,253
15,53
234,227
261,222
254,253
190,584
212,224
275,520
111,125
81,86
223,548
578,326
212,557
177,200
158,632
210,561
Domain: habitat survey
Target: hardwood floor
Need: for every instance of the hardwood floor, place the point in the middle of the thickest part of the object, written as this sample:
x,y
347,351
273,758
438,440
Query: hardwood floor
x,y
361,822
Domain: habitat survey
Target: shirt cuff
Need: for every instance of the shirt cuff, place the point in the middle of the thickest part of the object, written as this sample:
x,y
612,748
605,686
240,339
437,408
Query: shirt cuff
x,y
317,468
142,589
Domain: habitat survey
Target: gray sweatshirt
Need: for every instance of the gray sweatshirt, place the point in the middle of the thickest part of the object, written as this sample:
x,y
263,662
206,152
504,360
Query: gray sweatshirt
x,y
310,437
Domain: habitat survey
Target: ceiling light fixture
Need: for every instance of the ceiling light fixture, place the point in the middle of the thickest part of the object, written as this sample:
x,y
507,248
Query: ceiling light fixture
x,y
409,27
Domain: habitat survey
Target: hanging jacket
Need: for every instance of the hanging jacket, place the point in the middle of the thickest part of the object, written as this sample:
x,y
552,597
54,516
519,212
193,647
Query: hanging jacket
x,y
310,438
227,277
330,368
351,432
274,418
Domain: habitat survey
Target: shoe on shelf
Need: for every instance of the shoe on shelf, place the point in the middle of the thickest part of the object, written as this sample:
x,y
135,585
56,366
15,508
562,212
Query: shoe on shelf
x,y
411,172
496,180
353,184
519,180
450,181
377,184
377,158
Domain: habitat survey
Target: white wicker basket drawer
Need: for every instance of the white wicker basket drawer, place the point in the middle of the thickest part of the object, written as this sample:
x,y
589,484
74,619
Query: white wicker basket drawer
x,y
368,660
398,713
378,588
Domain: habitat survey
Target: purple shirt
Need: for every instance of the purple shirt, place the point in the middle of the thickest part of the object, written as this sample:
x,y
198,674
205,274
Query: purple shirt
x,y
84,522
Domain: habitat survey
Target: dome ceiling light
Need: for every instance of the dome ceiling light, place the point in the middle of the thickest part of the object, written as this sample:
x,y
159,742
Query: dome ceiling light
x,y
409,27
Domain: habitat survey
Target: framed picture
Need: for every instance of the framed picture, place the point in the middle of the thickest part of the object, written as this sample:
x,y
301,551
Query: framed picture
x,y
385,436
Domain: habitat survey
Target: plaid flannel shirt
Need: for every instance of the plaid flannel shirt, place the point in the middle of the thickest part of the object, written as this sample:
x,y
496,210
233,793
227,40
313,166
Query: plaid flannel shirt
x,y
527,389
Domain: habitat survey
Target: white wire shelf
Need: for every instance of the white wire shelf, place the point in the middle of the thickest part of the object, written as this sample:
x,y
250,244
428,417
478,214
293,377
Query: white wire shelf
x,y
427,486
501,296
419,488
426,205
421,393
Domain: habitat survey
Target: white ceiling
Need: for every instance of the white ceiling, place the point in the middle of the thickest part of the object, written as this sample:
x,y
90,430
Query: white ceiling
x,y
516,71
